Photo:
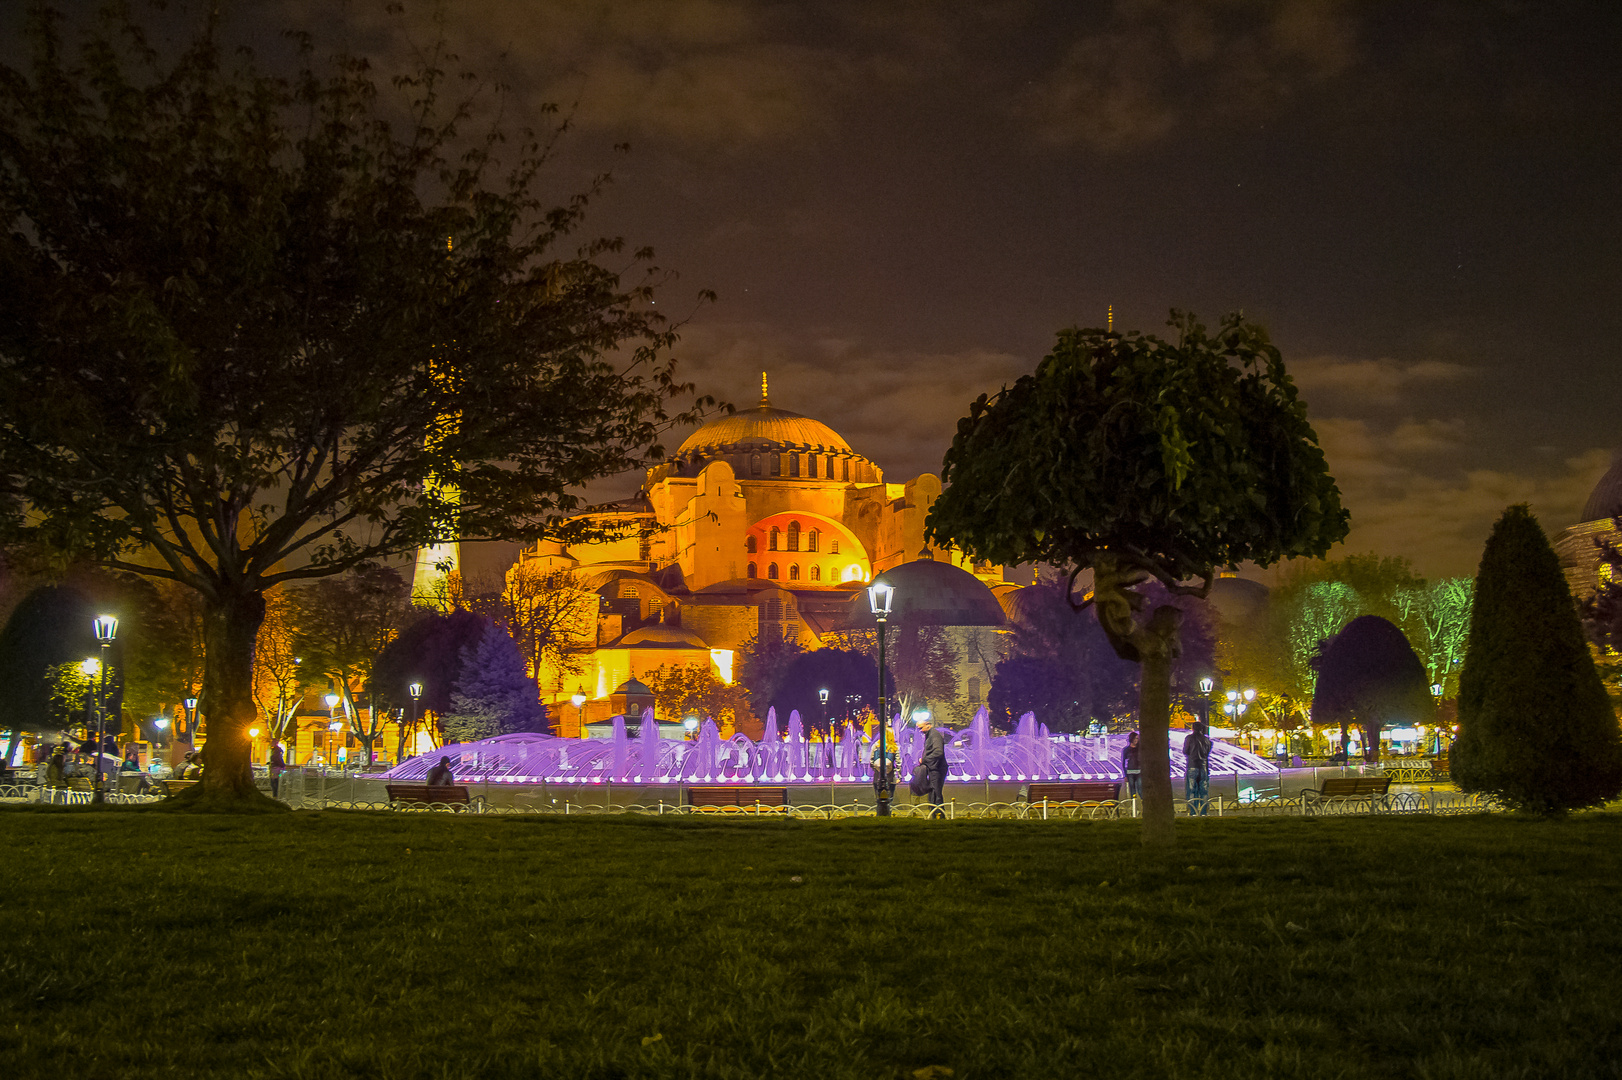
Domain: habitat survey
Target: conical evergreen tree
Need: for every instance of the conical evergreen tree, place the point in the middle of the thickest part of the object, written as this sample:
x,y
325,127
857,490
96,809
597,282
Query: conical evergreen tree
x,y
494,694
1535,726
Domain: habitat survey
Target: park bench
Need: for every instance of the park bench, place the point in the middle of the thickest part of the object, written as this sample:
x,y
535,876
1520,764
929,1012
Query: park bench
x,y
735,799
1082,793
1375,789
422,796
175,787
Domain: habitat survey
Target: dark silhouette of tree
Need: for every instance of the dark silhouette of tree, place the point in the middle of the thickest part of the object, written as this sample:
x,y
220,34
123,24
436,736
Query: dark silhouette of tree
x,y
1143,460
428,652
761,666
1369,675
1602,611
494,694
49,628
1535,726
843,672
259,330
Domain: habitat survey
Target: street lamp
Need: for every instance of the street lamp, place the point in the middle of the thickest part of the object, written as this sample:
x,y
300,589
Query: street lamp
x,y
415,689
106,630
690,722
827,725
579,701
1206,686
881,595
191,720
332,725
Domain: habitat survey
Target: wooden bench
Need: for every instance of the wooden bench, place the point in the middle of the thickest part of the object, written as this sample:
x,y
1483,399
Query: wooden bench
x,y
1376,789
421,795
175,787
1085,791
736,798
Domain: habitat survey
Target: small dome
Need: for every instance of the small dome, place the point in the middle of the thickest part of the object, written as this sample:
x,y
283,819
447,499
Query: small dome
x,y
930,593
634,688
665,636
1237,599
762,428
1605,501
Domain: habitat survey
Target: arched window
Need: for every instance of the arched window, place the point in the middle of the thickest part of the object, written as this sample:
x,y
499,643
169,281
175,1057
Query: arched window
x,y
794,572
829,471
771,544
811,539
794,464
974,690
754,464
833,546
630,590
749,544
847,468
794,536
777,464
771,571
811,466
751,571
816,573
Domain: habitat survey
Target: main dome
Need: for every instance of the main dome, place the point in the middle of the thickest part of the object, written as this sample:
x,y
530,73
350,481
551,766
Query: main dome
x,y
763,427
1605,501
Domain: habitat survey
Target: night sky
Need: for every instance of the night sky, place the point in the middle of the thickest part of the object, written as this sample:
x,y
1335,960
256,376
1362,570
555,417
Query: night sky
x,y
899,203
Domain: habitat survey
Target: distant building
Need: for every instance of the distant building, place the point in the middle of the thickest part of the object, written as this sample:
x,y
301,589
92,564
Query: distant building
x,y
1575,547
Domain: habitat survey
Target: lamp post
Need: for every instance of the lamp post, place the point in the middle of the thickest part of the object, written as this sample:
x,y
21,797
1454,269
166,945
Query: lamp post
x,y
881,595
1206,686
1436,692
106,630
332,724
689,723
579,701
827,727
191,721
415,690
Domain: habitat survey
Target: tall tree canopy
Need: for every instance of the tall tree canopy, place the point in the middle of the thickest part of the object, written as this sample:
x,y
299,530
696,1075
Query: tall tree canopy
x,y
1143,459
1369,675
1535,726
256,329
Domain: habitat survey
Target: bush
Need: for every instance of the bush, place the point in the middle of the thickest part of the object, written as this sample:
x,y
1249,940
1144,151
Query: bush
x,y
1535,726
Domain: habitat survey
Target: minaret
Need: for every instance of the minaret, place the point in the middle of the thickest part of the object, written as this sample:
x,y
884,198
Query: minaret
x,y
430,578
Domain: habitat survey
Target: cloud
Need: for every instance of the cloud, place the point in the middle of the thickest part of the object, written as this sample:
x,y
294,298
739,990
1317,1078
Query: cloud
x,y
1338,380
1157,65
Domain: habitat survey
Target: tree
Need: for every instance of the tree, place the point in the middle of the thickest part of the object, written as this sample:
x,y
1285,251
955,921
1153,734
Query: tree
x,y
261,330
494,694
680,690
1143,460
341,624
923,663
763,663
844,673
428,652
1535,726
1368,675
47,634
277,678
1602,612
553,620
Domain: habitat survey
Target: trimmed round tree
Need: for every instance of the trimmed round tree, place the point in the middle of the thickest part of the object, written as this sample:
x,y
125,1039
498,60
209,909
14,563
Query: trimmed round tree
x,y
1368,675
494,694
1535,726
1143,460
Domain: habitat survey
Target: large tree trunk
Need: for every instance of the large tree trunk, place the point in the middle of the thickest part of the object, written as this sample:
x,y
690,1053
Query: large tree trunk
x,y
230,628
1158,644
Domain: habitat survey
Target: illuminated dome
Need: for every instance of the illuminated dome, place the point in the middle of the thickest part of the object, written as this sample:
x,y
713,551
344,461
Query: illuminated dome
x,y
763,428
930,593
665,636
1605,501
771,443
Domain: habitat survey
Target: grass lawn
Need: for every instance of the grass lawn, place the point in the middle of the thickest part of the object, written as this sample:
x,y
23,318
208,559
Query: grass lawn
x,y
374,945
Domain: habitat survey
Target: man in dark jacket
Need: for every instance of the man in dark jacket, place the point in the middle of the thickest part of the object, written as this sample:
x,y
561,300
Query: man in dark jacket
x,y
933,761
440,775
1197,771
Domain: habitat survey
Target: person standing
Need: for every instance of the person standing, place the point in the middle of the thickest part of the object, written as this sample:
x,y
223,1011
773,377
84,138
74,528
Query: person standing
x,y
1197,770
933,762
1132,764
278,762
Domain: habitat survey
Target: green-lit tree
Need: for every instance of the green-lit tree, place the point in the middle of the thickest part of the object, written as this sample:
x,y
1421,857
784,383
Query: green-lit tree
x,y
260,330
1143,459
1535,726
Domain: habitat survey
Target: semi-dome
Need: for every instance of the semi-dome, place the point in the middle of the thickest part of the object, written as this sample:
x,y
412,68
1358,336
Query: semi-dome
x,y
930,593
664,636
1605,501
763,427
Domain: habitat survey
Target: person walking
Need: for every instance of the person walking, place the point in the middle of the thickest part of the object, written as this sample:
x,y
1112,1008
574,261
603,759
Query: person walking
x,y
1197,770
933,762
278,762
440,775
1132,765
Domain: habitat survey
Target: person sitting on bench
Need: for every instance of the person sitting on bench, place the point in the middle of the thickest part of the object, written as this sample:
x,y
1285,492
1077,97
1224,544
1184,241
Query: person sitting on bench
x,y
440,775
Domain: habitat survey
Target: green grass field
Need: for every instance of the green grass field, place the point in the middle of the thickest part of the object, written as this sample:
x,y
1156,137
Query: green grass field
x,y
336,944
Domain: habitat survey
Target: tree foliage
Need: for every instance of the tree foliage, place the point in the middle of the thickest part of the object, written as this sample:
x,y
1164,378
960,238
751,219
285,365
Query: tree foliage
x,y
1368,675
1602,611
429,652
258,329
494,694
680,690
844,673
1535,726
1143,459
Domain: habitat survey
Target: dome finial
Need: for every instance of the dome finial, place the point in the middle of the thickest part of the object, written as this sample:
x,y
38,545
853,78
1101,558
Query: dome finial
x,y
763,399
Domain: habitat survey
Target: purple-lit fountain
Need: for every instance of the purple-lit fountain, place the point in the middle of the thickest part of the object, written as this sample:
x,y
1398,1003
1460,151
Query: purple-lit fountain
x,y
975,754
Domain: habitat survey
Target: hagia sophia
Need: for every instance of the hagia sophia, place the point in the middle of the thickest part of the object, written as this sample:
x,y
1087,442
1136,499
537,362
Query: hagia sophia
x,y
763,524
